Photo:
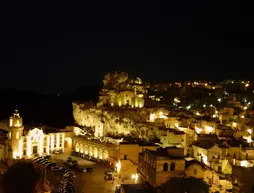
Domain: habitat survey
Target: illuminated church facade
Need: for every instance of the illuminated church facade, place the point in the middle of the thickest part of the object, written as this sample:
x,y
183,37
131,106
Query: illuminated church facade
x,y
32,143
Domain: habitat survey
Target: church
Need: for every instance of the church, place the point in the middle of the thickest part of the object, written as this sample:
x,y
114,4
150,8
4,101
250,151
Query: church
x,y
24,143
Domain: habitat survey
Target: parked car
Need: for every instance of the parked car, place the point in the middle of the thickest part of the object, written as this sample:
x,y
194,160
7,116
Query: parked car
x,y
51,165
85,169
109,172
37,158
108,177
89,169
47,157
68,159
55,168
58,151
63,170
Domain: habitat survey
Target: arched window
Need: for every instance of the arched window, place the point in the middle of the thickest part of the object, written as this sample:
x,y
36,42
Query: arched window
x,y
165,167
172,166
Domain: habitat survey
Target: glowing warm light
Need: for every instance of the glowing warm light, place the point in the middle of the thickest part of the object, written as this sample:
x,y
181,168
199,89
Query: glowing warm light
x,y
204,159
176,100
245,108
234,124
134,177
29,146
198,130
15,155
95,153
197,113
242,116
243,163
69,142
48,143
188,107
20,148
152,117
247,85
248,138
41,145
63,138
57,140
208,129
78,131
249,131
219,100
17,124
52,141
118,166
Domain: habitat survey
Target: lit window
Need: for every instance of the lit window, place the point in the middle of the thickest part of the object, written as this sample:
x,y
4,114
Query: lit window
x,y
17,135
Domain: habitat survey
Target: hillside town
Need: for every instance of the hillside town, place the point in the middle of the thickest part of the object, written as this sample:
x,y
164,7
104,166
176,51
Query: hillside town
x,y
150,137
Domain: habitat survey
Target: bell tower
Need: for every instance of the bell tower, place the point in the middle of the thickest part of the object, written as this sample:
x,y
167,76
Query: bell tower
x,y
15,134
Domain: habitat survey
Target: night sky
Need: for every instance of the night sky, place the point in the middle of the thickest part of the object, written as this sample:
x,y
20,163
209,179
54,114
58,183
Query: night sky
x,y
58,46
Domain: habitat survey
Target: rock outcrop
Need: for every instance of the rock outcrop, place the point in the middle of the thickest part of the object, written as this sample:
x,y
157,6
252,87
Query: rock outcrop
x,y
113,121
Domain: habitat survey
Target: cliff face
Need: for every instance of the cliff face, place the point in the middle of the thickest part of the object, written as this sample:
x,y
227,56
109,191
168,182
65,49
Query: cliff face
x,y
113,121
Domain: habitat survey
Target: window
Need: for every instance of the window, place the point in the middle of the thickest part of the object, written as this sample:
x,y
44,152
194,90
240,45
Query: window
x,y
172,166
195,171
44,149
165,167
125,156
17,135
24,152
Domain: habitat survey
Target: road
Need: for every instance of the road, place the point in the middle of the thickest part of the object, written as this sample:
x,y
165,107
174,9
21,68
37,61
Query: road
x,y
88,182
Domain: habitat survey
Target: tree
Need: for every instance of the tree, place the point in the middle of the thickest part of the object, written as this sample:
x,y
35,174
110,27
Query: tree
x,y
185,185
21,177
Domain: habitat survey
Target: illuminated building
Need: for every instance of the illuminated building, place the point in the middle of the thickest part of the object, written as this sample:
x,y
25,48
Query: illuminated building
x,y
34,143
121,90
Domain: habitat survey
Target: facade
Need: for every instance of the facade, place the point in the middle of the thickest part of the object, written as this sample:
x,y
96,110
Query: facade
x,y
31,143
121,90
216,181
157,167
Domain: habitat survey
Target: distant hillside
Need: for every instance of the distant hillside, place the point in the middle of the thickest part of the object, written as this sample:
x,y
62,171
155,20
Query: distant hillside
x,y
50,110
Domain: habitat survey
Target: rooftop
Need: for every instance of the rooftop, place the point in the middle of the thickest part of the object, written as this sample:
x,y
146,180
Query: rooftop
x,y
175,131
205,144
163,152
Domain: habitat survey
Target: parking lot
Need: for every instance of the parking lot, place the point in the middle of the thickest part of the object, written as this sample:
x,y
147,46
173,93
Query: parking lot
x,y
91,181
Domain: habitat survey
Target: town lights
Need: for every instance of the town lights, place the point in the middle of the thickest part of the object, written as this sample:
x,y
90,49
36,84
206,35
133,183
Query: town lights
x,y
118,166
134,177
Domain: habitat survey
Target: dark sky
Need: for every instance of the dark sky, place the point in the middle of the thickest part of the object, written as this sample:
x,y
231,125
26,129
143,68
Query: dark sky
x,y
58,46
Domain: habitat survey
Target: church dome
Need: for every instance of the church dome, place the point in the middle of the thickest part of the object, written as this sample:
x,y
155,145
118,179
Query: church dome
x,y
137,80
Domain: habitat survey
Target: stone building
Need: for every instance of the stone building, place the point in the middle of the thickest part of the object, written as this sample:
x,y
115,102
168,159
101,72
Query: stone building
x,y
157,167
121,90
217,182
